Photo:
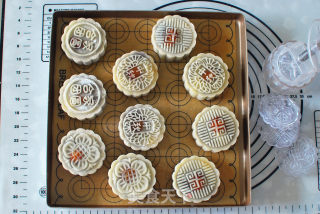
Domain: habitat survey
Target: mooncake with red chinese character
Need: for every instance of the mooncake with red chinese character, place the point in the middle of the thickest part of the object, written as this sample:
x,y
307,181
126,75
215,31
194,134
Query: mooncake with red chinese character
x,y
215,128
196,179
82,96
205,76
135,73
173,37
81,152
84,41
132,177
141,127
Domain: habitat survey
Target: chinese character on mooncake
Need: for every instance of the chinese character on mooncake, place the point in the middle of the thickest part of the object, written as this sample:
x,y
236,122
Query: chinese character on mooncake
x,y
82,96
84,41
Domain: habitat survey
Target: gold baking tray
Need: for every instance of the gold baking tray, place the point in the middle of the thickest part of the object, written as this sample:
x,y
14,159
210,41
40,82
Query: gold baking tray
x,y
223,34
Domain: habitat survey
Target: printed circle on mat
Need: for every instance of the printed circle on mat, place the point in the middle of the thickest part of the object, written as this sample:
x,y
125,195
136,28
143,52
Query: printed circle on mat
x,y
154,156
215,128
143,30
106,192
176,152
113,151
110,122
178,124
176,93
86,124
117,31
114,96
87,69
110,58
151,98
81,189
209,32
196,179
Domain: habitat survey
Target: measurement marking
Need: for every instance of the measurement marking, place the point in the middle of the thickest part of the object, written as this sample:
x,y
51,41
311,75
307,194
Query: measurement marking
x,y
23,154
26,33
27,20
25,85
23,196
24,112
26,106
29,39
25,175
24,140
24,99
24,126
28,7
27,92
23,168
28,26
26,147
23,182
26,119
28,52
26,72
26,46
25,189
26,133
25,161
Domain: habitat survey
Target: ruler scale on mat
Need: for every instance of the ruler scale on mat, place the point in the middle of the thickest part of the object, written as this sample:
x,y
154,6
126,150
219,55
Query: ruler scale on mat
x,y
261,40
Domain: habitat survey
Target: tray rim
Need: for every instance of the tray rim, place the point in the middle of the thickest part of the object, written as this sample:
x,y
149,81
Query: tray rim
x,y
245,163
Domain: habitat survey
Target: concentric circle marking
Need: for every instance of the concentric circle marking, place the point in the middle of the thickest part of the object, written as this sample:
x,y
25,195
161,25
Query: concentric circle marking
x,y
81,189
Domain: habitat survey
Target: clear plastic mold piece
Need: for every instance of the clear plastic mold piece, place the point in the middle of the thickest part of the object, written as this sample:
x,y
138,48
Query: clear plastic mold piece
x,y
299,158
293,65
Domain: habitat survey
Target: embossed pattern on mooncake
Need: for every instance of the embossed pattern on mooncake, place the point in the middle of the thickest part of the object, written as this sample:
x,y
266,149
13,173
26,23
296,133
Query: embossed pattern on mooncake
x,y
132,177
135,73
141,127
196,179
173,37
205,76
215,128
81,152
82,96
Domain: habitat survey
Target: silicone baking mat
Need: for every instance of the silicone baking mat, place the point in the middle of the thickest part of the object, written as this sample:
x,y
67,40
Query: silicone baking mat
x,y
222,34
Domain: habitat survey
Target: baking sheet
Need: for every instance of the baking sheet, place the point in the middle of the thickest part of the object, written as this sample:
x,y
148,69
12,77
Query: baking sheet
x,y
220,33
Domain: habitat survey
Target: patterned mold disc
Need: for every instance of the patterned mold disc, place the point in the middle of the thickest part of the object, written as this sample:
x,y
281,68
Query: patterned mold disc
x,y
215,128
84,41
141,127
82,96
205,76
173,37
196,179
81,152
135,73
132,177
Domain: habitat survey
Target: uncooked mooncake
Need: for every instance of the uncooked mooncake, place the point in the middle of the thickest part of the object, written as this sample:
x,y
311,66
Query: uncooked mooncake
x,y
135,73
84,41
215,128
141,127
196,179
205,76
173,37
81,152
132,177
82,96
